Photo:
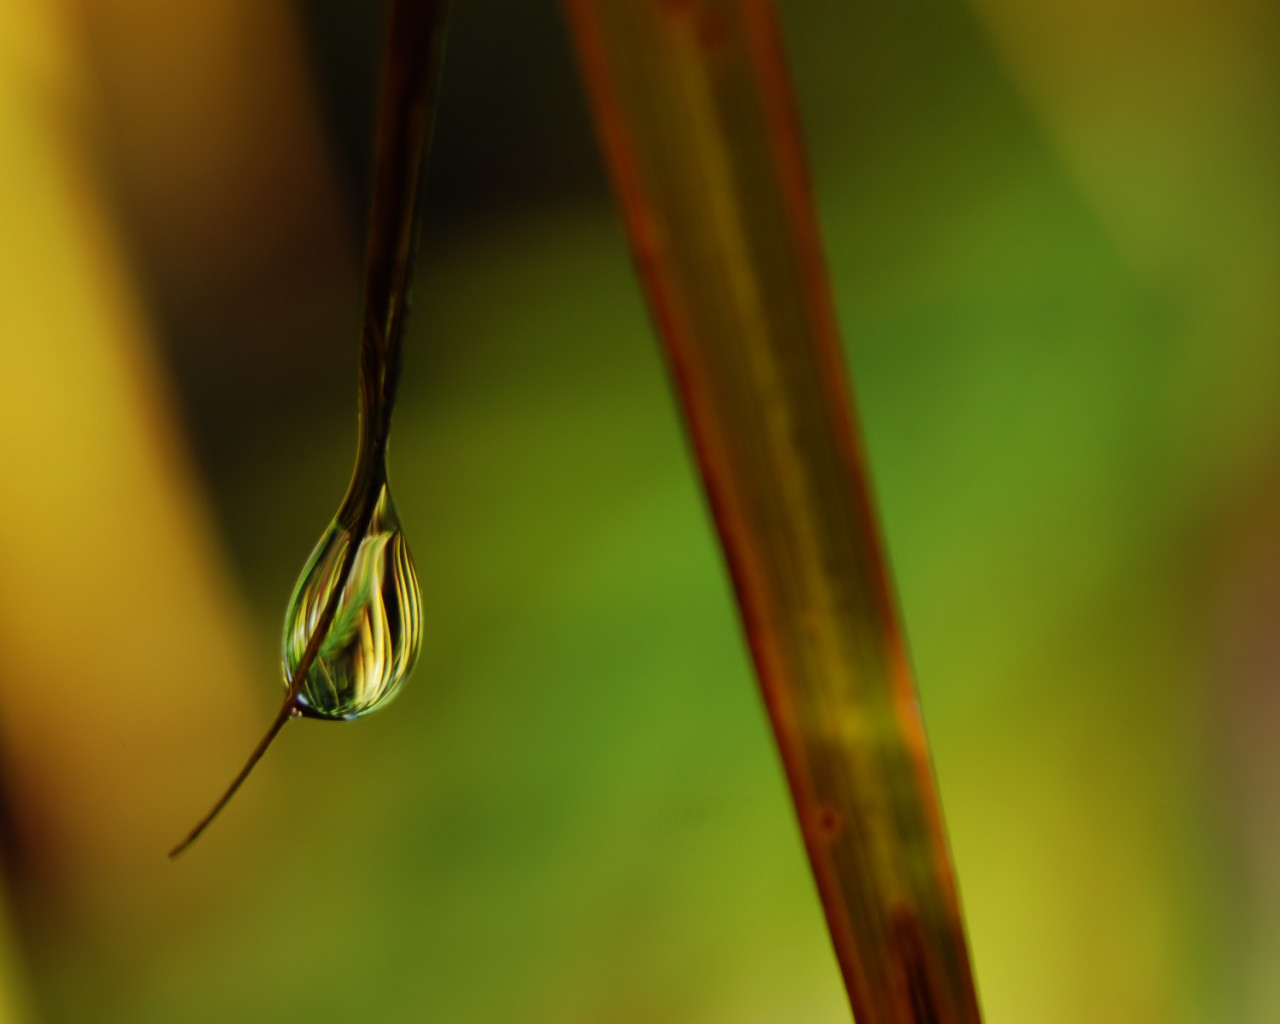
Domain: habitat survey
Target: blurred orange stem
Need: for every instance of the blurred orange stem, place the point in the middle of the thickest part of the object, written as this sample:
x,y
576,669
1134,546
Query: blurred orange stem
x,y
693,107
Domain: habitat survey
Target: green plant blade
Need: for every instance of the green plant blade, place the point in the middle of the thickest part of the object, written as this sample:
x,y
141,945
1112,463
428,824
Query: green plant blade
x,y
694,112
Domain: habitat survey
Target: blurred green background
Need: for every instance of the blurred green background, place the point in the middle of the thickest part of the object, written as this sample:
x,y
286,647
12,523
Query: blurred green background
x,y
1054,239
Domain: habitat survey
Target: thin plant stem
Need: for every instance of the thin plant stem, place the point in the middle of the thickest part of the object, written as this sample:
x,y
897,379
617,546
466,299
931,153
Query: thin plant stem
x,y
282,716
413,50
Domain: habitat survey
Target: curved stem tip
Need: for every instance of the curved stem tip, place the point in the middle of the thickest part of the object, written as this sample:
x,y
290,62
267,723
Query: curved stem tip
x,y
286,712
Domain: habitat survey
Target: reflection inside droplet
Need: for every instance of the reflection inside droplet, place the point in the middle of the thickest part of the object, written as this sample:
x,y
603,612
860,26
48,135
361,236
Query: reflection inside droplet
x,y
373,640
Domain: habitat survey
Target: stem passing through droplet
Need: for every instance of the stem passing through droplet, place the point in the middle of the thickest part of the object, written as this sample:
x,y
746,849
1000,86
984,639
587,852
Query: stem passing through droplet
x,y
353,626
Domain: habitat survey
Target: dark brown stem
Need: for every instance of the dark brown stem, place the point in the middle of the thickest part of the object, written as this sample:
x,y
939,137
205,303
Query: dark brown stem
x,y
284,714
411,65
290,706
412,52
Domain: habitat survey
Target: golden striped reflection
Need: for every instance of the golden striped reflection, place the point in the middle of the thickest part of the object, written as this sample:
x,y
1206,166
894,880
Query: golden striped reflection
x,y
373,640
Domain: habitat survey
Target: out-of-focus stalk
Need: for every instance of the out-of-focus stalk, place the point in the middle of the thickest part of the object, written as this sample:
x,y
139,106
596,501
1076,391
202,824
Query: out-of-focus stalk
x,y
693,107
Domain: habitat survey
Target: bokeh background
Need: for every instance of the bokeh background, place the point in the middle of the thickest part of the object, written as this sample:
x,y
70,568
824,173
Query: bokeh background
x,y
1054,238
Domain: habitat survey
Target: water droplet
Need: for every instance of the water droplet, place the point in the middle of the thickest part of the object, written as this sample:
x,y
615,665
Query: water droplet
x,y
373,640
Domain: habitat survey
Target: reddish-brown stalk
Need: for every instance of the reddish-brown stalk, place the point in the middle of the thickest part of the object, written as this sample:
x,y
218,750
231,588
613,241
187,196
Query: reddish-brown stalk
x,y
694,112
